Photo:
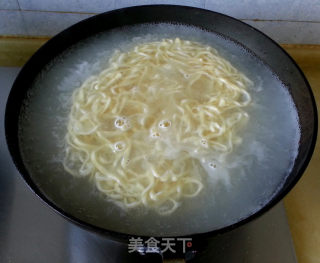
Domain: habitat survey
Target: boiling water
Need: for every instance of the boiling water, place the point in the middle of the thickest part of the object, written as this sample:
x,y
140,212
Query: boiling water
x,y
256,170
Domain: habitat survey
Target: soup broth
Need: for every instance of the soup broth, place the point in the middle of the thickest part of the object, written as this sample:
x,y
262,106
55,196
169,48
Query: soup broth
x,y
240,184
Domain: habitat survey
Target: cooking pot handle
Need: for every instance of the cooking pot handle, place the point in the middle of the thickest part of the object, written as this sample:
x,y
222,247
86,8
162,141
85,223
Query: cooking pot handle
x,y
155,255
175,260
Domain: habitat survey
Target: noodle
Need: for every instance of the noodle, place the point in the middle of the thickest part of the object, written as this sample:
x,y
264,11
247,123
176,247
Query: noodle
x,y
143,127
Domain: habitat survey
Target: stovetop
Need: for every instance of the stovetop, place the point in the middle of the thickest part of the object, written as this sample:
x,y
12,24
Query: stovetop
x,y
32,232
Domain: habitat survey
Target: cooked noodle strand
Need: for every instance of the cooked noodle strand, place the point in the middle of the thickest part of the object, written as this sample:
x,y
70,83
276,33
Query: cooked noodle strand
x,y
140,128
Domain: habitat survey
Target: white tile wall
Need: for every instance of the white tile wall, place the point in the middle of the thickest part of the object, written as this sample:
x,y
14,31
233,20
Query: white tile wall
x,y
11,23
9,4
293,10
289,32
85,6
49,23
124,3
286,21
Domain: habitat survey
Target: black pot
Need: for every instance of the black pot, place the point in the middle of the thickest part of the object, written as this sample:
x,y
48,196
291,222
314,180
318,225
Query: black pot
x,y
256,42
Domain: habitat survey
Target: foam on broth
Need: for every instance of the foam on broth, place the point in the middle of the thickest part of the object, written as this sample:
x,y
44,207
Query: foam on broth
x,y
256,169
